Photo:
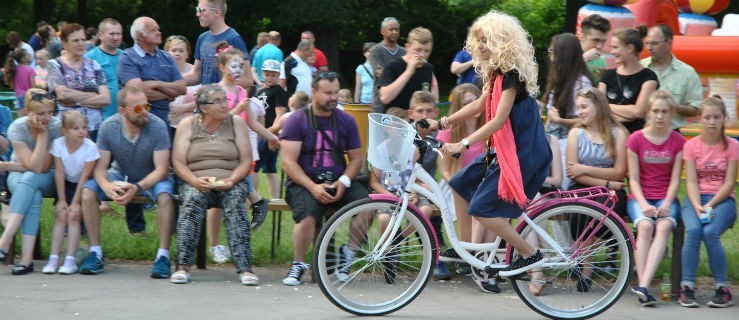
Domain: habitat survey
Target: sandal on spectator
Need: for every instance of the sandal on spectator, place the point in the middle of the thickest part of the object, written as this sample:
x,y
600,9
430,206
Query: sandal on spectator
x,y
537,284
248,278
180,276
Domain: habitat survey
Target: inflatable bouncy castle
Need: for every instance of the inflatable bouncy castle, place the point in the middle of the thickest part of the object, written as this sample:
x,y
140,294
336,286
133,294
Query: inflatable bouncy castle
x,y
711,50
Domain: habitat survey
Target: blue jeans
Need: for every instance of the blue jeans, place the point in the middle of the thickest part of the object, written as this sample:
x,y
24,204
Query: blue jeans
x,y
710,233
636,215
28,190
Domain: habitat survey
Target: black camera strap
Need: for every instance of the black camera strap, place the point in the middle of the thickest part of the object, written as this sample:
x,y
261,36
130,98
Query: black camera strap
x,y
336,154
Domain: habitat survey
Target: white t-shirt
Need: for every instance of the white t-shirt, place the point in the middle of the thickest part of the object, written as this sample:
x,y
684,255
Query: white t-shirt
x,y
74,162
257,109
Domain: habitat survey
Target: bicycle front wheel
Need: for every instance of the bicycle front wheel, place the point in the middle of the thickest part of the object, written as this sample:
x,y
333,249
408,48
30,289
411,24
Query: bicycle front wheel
x,y
599,267
355,276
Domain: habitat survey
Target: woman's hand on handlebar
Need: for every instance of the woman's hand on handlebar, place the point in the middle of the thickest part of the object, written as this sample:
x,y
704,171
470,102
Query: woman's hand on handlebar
x,y
453,148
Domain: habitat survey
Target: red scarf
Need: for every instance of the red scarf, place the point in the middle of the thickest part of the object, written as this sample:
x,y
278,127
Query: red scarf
x,y
510,184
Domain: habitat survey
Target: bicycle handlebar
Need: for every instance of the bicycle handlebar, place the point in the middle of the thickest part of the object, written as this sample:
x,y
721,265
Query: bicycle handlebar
x,y
427,142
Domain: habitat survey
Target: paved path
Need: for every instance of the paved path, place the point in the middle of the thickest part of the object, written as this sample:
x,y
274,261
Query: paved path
x,y
125,291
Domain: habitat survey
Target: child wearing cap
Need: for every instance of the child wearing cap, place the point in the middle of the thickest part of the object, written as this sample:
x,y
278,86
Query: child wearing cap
x,y
275,106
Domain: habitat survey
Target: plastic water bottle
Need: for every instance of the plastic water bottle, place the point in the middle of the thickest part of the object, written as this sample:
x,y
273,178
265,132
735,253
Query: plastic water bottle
x,y
666,288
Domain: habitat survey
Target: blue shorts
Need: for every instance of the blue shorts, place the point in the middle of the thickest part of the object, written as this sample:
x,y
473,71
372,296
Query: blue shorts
x,y
164,186
636,215
267,162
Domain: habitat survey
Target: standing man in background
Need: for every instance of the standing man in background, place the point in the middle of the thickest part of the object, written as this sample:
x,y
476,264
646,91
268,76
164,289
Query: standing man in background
x,y
383,53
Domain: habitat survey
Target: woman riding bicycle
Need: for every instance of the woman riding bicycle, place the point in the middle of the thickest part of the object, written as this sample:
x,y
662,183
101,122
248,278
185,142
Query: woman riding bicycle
x,y
505,178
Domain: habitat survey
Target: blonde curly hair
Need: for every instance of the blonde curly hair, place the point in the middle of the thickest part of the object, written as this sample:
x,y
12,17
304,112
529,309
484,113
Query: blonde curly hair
x,y
510,49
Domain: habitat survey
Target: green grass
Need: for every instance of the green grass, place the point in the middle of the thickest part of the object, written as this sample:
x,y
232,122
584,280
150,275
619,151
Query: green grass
x,y
119,244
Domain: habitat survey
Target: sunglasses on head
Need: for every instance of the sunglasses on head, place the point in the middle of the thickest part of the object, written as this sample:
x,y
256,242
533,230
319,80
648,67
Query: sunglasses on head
x,y
41,96
177,37
327,75
139,108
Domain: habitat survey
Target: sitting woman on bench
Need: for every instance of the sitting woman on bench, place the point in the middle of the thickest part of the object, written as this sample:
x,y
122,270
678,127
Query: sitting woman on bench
x,y
212,155
710,205
655,161
31,175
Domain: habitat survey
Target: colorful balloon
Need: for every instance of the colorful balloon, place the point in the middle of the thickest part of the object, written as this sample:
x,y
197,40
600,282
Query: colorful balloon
x,y
709,7
612,2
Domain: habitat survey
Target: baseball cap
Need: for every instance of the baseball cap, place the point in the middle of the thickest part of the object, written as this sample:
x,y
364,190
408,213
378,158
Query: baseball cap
x,y
271,65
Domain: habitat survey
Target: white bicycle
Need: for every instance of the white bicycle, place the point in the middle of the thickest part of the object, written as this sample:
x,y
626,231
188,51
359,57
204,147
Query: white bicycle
x,y
392,265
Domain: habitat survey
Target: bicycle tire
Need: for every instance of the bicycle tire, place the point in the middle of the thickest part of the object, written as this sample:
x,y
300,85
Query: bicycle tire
x,y
367,291
567,292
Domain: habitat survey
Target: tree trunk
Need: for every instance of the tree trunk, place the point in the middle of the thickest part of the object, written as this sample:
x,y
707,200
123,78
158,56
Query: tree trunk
x,y
82,13
42,10
571,9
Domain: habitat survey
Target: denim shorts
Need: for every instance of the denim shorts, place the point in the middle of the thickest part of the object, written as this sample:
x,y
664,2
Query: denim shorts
x,y
164,186
636,215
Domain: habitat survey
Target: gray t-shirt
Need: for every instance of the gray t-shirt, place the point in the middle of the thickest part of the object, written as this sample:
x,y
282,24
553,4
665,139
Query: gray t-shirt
x,y
133,159
18,131
380,57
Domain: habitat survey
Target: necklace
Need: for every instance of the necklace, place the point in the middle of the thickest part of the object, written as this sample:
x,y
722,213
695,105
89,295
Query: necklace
x,y
212,135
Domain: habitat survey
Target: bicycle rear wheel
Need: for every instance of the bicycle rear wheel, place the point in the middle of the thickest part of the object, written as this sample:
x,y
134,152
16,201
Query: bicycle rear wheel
x,y
373,283
600,268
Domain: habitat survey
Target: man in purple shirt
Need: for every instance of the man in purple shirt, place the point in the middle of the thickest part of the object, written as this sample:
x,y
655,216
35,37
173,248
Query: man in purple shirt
x,y
314,141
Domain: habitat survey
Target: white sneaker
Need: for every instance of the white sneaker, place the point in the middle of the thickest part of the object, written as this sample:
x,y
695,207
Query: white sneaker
x,y
219,253
68,270
346,258
49,269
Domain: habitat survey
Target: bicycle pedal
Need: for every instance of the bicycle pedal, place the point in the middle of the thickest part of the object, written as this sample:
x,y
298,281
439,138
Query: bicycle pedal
x,y
493,271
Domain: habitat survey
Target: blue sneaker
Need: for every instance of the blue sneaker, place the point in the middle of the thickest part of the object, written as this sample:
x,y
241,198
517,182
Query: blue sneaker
x,y
441,272
92,264
645,299
161,268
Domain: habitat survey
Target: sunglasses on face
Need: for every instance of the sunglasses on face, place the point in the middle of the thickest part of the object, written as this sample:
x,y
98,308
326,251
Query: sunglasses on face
x,y
216,102
141,107
200,10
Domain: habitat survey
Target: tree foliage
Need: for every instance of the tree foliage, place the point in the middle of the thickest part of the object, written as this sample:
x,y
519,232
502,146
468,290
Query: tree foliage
x,y
341,26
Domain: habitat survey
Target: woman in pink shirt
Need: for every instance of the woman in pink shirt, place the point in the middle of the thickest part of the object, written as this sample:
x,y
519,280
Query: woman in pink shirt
x,y
710,206
19,75
655,161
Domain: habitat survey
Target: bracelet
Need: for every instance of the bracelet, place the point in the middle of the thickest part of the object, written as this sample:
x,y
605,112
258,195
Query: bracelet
x,y
444,123
345,181
607,183
138,187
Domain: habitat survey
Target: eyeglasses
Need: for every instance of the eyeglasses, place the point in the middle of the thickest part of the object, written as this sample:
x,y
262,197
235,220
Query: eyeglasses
x,y
217,101
176,37
141,107
653,43
327,75
41,96
200,10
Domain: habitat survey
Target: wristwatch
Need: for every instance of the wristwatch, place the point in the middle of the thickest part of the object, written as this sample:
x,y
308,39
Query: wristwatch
x,y
466,143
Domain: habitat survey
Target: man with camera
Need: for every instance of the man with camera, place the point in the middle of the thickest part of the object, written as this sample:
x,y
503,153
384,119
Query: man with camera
x,y
313,144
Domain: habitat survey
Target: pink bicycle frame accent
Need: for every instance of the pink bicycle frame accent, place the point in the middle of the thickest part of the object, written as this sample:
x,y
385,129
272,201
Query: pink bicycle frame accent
x,y
581,196
416,210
